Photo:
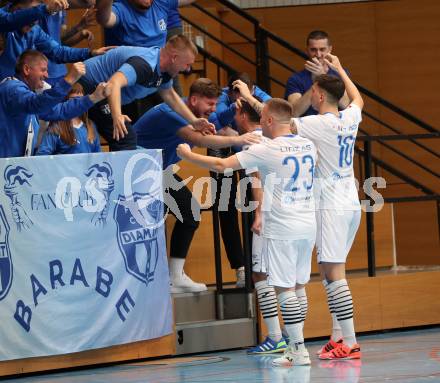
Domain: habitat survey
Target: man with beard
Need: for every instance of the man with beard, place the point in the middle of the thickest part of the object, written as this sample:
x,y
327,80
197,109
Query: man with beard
x,y
299,85
162,128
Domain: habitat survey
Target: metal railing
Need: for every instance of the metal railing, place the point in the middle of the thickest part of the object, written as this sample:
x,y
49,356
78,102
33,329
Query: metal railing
x,y
261,40
369,159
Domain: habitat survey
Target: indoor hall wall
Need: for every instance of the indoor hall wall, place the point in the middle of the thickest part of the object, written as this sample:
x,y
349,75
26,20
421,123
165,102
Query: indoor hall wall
x,y
391,48
379,42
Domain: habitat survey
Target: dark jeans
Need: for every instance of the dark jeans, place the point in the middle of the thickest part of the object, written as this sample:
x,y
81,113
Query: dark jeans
x,y
183,232
230,229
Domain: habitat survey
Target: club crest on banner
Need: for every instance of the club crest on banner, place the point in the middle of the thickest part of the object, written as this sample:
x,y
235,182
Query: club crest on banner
x,y
138,219
15,177
5,256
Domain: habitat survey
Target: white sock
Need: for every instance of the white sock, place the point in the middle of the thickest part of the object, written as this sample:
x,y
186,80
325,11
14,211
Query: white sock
x,y
267,301
302,299
339,293
291,311
176,267
336,328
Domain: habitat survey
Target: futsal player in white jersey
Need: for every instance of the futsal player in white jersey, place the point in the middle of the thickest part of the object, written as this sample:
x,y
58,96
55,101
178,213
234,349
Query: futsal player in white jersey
x,y
247,120
286,166
338,210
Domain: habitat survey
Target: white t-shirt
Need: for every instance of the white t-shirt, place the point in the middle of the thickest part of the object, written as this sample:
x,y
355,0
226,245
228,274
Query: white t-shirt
x,y
334,138
286,165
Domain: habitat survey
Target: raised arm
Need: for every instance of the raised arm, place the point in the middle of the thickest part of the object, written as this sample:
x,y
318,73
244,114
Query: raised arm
x,y
12,21
246,94
300,102
104,14
75,107
27,101
352,92
79,31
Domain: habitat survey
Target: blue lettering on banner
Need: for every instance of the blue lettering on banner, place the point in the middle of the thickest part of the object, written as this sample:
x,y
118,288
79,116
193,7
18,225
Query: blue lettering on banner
x,y
103,278
56,276
96,245
122,302
37,289
23,315
78,274
5,256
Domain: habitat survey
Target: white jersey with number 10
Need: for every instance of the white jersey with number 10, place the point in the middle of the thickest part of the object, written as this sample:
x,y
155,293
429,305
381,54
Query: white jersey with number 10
x,y
334,137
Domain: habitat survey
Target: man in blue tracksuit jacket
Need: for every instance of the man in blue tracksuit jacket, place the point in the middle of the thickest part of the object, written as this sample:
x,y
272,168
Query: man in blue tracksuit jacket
x,y
18,33
226,104
134,73
20,106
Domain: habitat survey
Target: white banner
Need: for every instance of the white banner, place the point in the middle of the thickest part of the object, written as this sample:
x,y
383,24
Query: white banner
x,y
82,253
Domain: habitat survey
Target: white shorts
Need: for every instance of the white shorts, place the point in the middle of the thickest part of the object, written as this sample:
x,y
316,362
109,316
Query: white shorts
x,y
258,264
335,234
287,262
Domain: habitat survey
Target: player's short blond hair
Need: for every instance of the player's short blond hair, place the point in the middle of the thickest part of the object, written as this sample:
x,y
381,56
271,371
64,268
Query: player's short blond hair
x,y
279,109
181,43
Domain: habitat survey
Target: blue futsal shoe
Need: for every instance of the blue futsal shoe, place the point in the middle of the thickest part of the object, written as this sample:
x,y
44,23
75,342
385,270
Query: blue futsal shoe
x,y
268,346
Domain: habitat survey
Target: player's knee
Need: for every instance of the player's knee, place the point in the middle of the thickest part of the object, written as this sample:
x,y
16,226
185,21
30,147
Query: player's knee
x,y
258,277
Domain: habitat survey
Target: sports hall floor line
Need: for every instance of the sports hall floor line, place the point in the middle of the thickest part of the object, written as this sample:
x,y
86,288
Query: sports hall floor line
x,y
402,357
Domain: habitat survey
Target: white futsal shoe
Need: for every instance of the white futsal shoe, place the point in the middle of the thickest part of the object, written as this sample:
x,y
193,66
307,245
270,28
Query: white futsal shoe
x,y
184,284
292,357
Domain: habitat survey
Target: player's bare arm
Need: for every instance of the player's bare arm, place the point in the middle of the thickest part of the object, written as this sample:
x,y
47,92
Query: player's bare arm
x,y
215,164
352,92
246,94
196,138
300,102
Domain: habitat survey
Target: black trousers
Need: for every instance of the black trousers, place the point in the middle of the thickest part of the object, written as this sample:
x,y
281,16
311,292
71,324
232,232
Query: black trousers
x,y
100,114
183,232
228,218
